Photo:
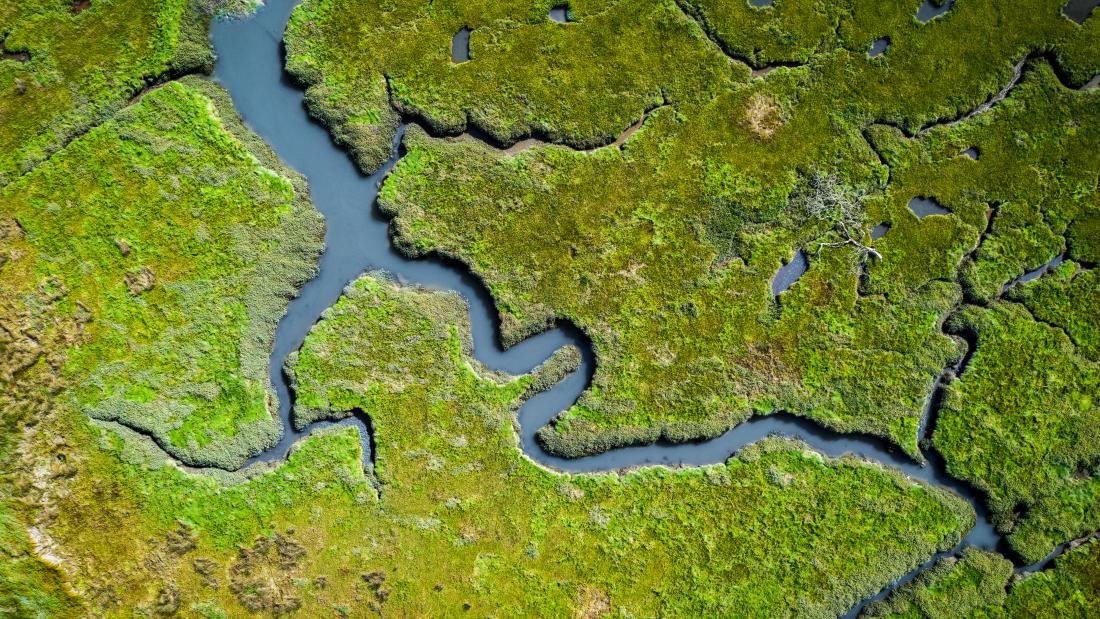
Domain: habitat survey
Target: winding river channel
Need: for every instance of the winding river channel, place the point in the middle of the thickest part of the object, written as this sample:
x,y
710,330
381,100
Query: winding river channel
x,y
250,66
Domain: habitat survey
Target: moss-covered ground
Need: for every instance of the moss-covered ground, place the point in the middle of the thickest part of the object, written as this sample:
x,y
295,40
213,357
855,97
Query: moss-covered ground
x,y
175,249
662,250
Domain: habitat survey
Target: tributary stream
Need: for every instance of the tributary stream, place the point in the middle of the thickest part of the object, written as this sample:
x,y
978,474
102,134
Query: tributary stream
x,y
250,66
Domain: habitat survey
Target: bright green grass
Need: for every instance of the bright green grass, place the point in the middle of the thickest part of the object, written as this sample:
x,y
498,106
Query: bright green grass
x,y
176,247
975,586
952,588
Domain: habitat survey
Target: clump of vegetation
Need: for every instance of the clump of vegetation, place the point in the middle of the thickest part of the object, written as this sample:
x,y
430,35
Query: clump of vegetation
x,y
82,68
177,270
358,84
1021,424
954,587
980,584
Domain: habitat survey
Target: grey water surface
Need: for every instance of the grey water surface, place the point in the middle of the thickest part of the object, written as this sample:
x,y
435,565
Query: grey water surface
x,y
460,45
250,67
1079,10
923,206
879,47
790,273
930,10
560,13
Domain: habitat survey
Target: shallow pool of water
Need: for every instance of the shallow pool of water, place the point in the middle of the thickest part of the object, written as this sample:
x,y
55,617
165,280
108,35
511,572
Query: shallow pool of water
x,y
879,47
460,45
1079,10
923,206
929,11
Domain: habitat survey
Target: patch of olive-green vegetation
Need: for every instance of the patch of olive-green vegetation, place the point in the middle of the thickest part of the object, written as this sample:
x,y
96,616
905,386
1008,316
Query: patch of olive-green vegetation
x,y
917,81
1023,424
419,317
168,541
362,60
580,84
954,587
175,245
662,251
464,519
1071,589
1067,298
1084,236
456,482
1034,184
781,33
980,584
64,88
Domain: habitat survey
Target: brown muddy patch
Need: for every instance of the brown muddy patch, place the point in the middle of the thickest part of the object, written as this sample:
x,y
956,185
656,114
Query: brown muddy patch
x,y
79,6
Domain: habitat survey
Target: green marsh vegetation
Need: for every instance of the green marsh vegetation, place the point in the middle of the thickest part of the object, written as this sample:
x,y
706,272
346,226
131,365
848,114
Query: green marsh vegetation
x,y
678,234
176,249
662,250
138,246
981,584
67,69
147,253
452,514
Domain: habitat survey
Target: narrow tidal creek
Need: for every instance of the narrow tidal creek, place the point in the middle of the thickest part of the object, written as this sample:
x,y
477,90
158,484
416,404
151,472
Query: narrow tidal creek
x,y
250,66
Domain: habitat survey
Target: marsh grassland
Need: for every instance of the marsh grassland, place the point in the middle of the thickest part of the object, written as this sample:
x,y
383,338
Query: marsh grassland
x,y
641,170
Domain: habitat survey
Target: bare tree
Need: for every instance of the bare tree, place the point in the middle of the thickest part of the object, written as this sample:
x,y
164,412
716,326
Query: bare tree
x,y
828,200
